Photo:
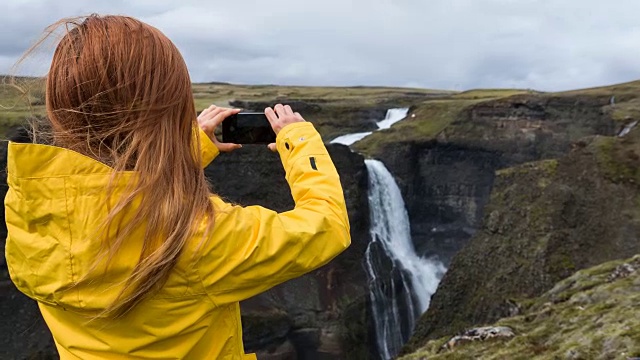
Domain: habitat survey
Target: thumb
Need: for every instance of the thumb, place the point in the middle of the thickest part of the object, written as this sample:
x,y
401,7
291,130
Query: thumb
x,y
272,147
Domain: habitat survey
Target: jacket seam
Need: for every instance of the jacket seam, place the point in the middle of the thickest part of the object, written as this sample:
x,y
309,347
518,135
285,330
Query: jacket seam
x,y
66,206
275,281
190,296
204,287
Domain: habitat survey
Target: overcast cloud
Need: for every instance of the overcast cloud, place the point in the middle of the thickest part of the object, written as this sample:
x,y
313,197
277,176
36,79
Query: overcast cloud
x,y
447,44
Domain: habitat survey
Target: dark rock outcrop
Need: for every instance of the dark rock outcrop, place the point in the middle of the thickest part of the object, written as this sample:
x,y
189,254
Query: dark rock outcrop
x,y
531,127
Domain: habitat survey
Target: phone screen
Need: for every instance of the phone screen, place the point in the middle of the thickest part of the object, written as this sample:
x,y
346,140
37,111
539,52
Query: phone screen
x,y
247,128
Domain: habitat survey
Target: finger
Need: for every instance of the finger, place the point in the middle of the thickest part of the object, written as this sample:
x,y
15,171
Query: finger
x,y
219,118
288,110
272,147
210,124
227,147
210,118
211,107
206,111
280,110
271,115
297,114
213,113
203,119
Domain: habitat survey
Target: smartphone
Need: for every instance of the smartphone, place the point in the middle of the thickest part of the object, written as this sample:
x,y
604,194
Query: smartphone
x,y
247,128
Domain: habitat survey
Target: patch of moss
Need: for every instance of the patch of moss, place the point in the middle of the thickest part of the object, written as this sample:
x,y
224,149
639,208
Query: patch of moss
x,y
547,167
625,111
355,329
618,160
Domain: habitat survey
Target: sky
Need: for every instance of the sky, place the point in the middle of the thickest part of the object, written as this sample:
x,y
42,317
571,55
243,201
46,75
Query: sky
x,y
546,45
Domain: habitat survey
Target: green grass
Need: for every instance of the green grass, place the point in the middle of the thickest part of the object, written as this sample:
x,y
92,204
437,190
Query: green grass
x,y
221,94
490,93
19,101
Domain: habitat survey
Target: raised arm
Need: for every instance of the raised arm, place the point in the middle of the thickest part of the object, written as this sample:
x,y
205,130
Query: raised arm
x,y
253,248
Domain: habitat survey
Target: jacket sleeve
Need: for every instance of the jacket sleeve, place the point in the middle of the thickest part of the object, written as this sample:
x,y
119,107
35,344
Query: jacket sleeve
x,y
253,248
208,150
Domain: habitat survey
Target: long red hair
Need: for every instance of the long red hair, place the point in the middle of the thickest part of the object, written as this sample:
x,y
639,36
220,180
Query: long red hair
x,y
118,90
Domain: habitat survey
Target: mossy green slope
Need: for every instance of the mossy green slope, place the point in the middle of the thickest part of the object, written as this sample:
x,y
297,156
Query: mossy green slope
x,y
545,220
586,316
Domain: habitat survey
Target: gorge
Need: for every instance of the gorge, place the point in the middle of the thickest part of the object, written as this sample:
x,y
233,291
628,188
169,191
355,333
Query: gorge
x,y
512,190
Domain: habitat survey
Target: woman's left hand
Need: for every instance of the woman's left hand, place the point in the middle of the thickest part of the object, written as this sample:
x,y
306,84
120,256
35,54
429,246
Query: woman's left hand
x,y
210,118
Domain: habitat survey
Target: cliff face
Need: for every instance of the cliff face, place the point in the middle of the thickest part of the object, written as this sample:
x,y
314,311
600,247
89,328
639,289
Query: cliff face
x,y
545,220
303,318
446,175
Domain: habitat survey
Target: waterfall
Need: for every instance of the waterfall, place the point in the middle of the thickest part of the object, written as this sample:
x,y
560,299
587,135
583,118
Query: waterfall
x,y
400,282
627,129
391,251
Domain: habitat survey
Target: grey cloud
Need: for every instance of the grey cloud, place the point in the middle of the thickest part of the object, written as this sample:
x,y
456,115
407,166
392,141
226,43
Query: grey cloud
x,y
547,45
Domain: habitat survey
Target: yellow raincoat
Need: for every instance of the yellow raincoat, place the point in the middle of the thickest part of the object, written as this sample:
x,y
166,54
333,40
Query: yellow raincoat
x,y
53,207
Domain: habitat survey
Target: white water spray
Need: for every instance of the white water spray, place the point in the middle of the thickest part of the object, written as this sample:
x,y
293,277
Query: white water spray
x,y
418,277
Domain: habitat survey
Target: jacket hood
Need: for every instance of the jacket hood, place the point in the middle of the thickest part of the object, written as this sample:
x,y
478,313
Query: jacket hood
x,y
53,208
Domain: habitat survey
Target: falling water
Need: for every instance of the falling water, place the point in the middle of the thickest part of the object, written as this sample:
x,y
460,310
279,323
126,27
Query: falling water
x,y
400,282
391,251
627,129
392,117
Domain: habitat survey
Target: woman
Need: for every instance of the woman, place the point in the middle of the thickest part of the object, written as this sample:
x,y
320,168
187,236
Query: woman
x,y
113,229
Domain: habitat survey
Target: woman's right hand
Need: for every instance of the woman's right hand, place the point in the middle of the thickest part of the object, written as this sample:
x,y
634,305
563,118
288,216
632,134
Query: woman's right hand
x,y
279,117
